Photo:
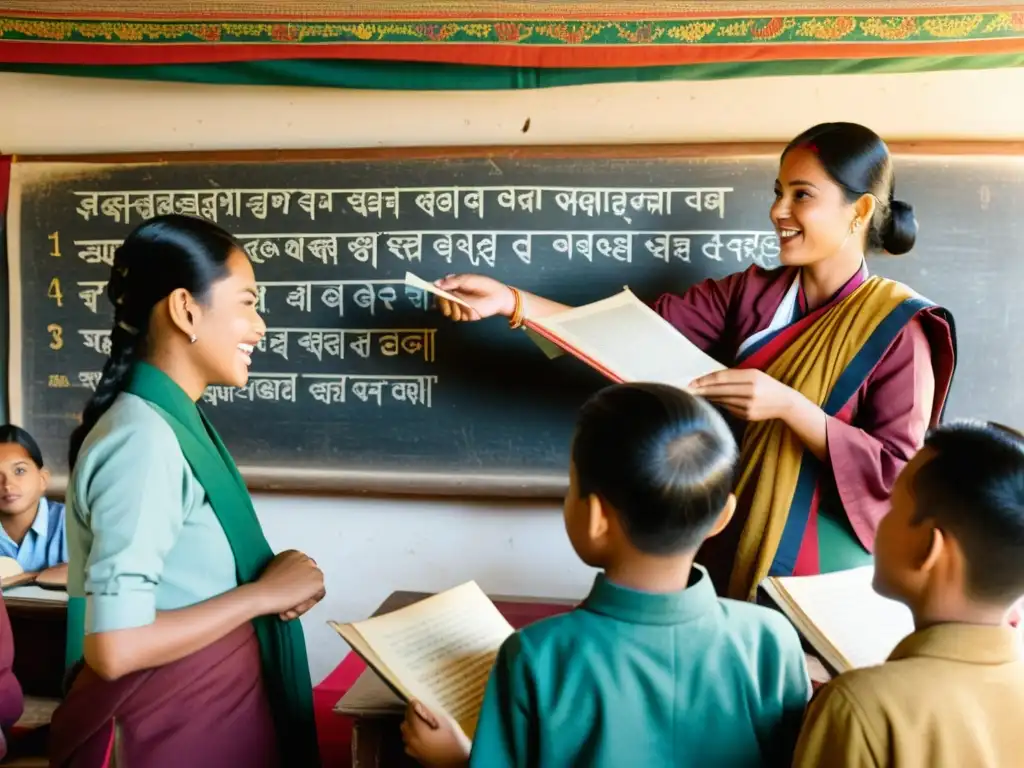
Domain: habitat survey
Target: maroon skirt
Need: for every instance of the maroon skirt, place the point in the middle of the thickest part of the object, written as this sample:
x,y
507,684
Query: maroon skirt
x,y
208,710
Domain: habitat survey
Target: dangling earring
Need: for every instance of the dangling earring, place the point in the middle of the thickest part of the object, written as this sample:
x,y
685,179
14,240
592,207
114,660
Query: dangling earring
x,y
854,226
192,337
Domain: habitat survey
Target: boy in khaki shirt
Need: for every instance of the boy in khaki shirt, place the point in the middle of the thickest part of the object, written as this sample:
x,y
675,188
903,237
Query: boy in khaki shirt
x,y
952,549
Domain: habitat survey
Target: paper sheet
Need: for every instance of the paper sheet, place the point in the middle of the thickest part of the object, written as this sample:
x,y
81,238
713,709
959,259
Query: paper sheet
x,y
423,285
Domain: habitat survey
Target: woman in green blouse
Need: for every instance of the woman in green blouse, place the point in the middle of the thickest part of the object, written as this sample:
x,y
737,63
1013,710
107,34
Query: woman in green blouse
x,y
192,654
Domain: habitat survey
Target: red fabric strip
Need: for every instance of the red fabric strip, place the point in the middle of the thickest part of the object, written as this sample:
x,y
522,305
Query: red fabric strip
x,y
5,182
488,54
110,745
763,357
808,558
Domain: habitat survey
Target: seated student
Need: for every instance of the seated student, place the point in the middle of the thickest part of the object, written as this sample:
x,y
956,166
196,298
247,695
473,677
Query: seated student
x,y
32,530
952,550
653,668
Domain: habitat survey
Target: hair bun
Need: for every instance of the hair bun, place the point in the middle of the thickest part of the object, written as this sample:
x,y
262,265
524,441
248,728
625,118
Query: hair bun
x,y
900,231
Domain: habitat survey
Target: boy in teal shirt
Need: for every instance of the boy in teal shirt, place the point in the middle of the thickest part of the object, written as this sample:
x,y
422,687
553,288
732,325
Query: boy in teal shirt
x,y
653,668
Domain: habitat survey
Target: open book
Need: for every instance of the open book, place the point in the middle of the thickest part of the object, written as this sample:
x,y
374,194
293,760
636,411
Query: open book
x,y
624,339
620,337
841,616
439,650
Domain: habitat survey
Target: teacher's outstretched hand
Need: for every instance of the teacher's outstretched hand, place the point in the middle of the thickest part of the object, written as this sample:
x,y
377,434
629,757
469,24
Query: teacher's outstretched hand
x,y
485,295
489,297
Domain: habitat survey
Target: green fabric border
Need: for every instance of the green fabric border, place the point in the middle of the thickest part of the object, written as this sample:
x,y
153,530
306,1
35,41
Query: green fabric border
x,y
411,76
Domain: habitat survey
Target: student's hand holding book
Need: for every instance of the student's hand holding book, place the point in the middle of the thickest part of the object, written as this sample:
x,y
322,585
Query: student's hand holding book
x,y
290,585
434,741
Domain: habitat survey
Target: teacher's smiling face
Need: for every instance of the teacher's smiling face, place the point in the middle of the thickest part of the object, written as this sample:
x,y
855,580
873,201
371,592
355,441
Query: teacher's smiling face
x,y
812,218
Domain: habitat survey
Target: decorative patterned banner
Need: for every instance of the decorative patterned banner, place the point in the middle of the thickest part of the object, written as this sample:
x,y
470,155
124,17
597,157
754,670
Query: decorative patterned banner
x,y
538,34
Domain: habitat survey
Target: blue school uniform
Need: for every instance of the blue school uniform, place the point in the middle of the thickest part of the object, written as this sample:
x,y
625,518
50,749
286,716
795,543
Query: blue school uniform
x,y
46,542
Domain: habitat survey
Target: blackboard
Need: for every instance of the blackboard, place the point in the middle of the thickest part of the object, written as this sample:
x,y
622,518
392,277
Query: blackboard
x,y
361,386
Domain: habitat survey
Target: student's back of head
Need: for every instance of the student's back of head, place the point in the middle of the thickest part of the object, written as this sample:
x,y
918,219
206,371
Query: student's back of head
x,y
652,463
960,502
651,478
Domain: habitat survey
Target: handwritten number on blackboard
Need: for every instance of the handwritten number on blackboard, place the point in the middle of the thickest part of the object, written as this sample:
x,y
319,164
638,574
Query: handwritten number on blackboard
x,y
55,238
56,335
55,293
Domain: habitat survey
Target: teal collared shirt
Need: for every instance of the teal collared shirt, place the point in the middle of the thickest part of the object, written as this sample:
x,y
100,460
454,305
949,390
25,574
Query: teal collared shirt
x,y
46,542
142,534
640,679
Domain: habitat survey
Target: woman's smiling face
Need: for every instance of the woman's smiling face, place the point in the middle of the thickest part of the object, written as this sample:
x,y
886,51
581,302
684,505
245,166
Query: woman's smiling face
x,y
811,214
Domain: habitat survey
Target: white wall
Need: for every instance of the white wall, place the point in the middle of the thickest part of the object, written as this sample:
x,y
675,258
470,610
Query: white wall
x,y
370,547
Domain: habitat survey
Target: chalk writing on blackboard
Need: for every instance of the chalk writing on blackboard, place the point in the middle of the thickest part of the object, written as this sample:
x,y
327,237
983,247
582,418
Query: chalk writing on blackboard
x,y
292,342
481,248
390,342
353,370
324,388
124,206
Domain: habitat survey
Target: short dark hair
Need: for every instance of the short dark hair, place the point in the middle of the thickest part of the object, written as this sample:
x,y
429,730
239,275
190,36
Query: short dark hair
x,y
858,161
663,458
12,435
973,487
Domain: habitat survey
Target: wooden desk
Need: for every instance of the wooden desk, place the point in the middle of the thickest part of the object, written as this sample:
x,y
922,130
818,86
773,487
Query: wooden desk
x,y
39,622
27,741
377,741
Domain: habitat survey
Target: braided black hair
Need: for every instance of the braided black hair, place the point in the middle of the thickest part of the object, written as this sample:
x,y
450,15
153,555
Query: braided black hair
x,y
160,256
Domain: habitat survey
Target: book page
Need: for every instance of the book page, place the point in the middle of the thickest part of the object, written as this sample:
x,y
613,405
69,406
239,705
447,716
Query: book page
x,y
842,612
549,348
418,282
630,340
442,649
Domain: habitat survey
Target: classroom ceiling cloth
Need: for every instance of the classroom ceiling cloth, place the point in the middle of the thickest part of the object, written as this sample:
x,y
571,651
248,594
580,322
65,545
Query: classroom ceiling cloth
x,y
714,38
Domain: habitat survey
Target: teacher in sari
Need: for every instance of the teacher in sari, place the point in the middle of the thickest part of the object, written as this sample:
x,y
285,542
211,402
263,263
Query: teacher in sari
x,y
192,652
836,375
